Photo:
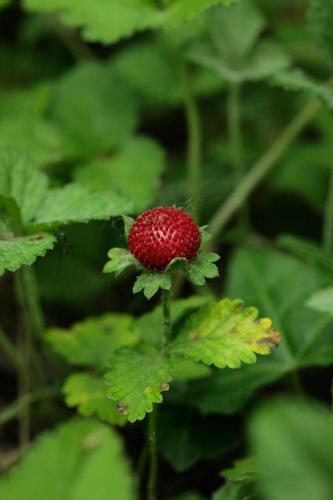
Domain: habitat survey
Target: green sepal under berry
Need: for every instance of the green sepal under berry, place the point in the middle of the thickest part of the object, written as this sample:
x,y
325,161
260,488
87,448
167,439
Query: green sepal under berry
x,y
150,282
202,267
120,259
225,334
136,378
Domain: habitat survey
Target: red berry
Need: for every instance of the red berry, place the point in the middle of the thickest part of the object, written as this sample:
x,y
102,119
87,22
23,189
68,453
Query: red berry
x,y
161,234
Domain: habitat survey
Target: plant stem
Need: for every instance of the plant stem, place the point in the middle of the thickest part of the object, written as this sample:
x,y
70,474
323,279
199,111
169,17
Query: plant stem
x,y
260,170
166,328
12,353
152,440
234,128
328,218
193,144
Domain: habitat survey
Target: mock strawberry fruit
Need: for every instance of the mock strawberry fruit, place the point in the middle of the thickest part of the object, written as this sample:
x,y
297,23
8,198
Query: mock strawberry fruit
x,y
162,234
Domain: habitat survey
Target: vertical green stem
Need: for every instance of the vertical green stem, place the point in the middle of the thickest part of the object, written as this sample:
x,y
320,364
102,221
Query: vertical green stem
x,y
166,332
234,129
153,455
328,218
194,141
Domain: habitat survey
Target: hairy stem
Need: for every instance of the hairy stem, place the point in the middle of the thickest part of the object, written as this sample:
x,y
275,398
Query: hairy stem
x,y
328,218
193,144
153,468
234,128
260,170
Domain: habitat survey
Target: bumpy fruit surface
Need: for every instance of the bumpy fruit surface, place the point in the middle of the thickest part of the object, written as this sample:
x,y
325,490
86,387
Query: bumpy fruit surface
x,y
162,234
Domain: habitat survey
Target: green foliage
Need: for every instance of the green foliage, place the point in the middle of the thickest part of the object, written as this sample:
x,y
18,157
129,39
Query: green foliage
x,y
92,342
320,21
136,378
150,282
202,267
134,172
75,460
297,437
107,22
17,252
225,335
88,394
243,469
120,259
238,58
322,301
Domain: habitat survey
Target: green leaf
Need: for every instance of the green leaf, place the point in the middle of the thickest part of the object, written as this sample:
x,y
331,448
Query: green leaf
x,y
94,109
320,20
225,335
92,342
73,203
80,460
136,378
296,79
151,282
297,437
88,393
183,370
260,278
133,172
322,301
233,491
202,267
243,469
109,21
185,437
16,252
238,58
148,326
120,259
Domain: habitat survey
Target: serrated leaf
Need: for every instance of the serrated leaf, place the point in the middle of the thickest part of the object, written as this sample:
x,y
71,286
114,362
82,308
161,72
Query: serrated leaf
x,y
108,21
202,267
133,172
73,203
151,282
297,437
136,378
225,335
120,259
20,251
92,342
80,460
88,393
322,301
296,79
94,109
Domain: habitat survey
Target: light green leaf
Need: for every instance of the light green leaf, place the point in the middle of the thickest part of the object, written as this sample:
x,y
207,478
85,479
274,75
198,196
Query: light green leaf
x,y
88,393
243,469
136,378
80,460
202,267
296,79
151,282
20,251
133,172
120,259
108,21
297,437
225,335
322,301
92,342
183,370
94,109
73,203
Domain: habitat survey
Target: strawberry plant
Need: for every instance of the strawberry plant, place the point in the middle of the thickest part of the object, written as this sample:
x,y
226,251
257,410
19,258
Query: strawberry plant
x,y
166,249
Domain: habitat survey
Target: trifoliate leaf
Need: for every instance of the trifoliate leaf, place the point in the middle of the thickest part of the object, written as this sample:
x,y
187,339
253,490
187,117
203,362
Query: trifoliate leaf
x,y
225,335
16,252
320,21
92,342
297,437
73,203
202,267
72,462
322,301
296,79
136,378
133,172
120,259
108,21
94,109
88,393
151,282
148,326
243,469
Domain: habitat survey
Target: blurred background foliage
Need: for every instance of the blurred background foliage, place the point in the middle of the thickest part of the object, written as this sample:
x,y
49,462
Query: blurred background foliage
x,y
122,102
